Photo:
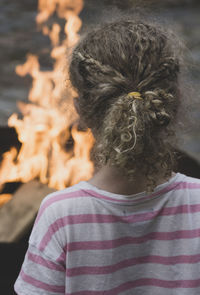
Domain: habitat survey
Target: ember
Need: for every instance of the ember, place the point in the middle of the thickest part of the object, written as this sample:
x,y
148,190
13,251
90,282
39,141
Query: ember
x,y
47,119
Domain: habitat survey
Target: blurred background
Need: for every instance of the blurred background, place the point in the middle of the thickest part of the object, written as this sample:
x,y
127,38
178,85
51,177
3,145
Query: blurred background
x,y
21,36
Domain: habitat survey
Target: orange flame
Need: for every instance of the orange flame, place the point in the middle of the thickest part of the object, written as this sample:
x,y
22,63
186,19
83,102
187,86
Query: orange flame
x,y
48,117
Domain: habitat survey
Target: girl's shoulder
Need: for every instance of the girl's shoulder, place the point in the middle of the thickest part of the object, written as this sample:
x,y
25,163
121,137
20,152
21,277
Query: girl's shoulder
x,y
54,210
189,180
66,200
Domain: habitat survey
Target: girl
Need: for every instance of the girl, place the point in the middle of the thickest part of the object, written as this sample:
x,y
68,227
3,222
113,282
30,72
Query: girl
x,y
134,227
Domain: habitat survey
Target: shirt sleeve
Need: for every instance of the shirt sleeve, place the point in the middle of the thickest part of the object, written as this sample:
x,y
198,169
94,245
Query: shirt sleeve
x,y
43,272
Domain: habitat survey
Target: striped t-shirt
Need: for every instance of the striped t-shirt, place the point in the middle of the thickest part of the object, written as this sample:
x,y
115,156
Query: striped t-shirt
x,y
87,241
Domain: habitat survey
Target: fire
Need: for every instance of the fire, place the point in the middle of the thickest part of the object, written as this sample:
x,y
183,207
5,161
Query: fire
x,y
49,116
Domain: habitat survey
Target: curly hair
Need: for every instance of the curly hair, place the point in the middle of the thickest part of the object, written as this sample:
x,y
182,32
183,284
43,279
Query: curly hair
x,y
108,64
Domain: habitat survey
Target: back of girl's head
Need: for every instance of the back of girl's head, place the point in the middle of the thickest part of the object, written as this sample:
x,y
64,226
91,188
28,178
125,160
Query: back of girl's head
x,y
132,131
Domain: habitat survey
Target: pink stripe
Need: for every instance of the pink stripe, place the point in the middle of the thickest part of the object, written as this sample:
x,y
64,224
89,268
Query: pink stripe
x,y
103,218
135,199
58,197
95,270
85,193
143,282
111,244
38,284
62,256
44,262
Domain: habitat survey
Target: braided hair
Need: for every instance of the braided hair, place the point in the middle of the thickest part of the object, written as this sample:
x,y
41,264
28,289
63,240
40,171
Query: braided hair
x,y
106,65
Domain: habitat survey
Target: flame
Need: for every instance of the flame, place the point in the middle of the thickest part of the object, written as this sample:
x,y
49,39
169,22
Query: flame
x,y
49,116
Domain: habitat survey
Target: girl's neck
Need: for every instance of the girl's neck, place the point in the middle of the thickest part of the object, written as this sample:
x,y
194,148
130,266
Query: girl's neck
x,y
111,179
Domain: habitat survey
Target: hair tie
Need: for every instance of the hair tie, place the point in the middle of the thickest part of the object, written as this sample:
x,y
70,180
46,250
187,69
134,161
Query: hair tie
x,y
135,95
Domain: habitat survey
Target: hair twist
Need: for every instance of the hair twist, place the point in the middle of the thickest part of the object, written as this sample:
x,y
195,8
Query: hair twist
x,y
158,106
